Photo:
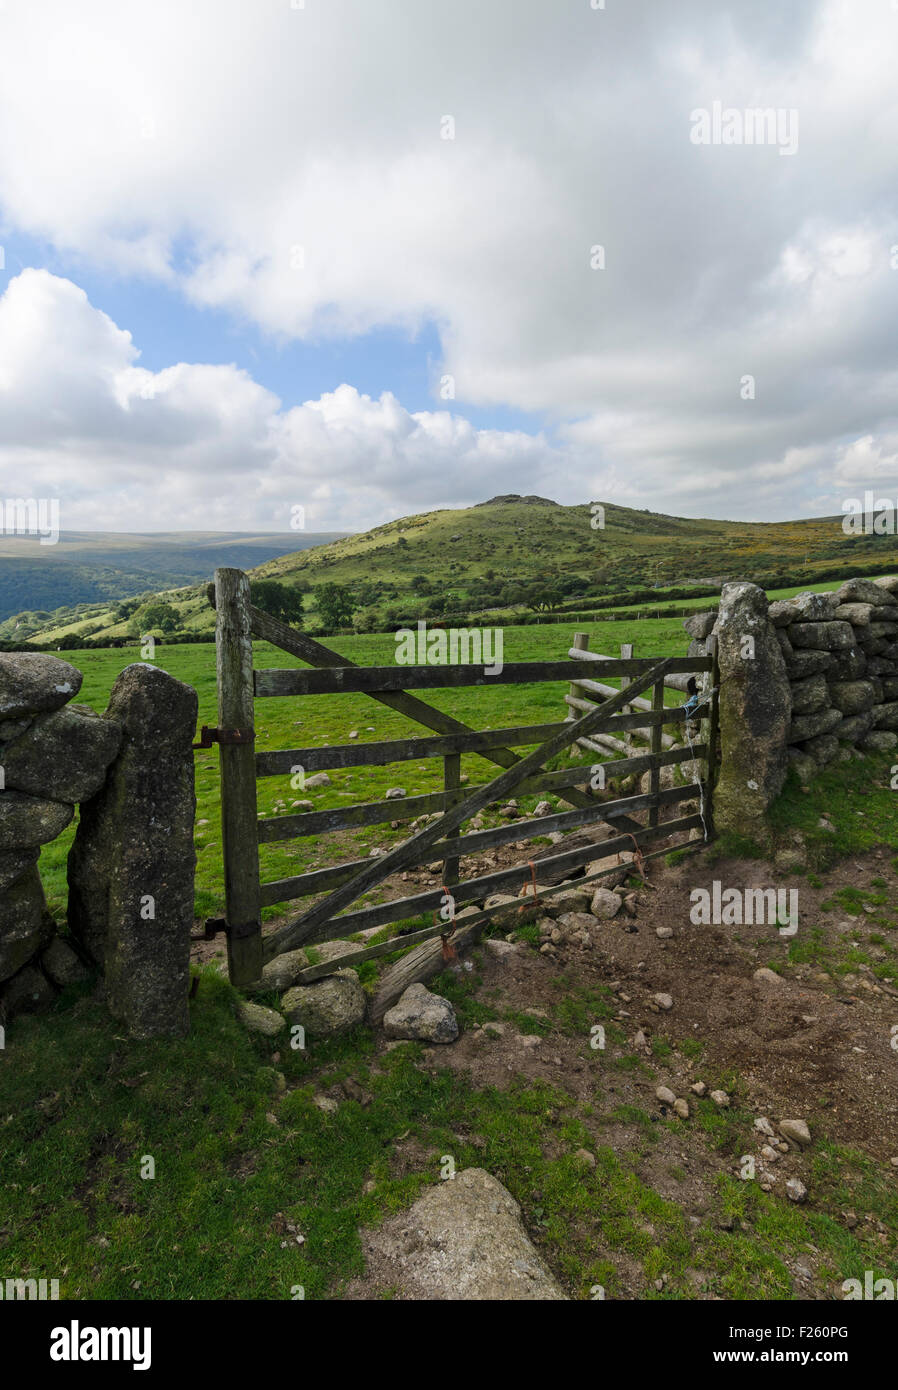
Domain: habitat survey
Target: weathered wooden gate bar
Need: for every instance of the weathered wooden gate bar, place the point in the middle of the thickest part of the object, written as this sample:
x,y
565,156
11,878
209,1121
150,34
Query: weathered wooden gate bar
x,y
408,853
321,880
365,679
470,891
376,812
384,948
375,754
342,755
674,680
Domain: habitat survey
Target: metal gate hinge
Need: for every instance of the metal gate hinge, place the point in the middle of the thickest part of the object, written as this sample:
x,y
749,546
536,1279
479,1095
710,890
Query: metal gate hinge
x,y
213,925
228,736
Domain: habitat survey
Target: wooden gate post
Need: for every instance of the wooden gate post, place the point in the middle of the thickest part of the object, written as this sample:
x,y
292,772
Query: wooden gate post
x,y
237,763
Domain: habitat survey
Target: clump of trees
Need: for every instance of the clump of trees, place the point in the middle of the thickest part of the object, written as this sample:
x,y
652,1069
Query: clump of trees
x,y
280,601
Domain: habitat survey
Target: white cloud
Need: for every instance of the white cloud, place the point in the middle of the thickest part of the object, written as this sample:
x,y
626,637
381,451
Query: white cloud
x,y
242,133
200,447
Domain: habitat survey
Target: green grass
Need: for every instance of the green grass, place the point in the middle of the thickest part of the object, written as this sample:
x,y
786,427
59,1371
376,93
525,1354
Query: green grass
x,y
242,1154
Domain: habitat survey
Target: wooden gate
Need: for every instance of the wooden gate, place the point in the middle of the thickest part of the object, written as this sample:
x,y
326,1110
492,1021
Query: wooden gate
x,y
239,685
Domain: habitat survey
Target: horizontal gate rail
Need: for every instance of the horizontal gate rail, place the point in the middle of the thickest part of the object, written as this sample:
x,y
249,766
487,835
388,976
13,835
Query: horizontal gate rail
x,y
354,956
471,890
364,679
377,812
675,679
376,754
320,880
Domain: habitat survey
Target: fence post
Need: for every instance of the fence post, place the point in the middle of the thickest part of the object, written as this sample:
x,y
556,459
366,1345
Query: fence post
x,y
237,763
626,652
655,782
581,642
713,733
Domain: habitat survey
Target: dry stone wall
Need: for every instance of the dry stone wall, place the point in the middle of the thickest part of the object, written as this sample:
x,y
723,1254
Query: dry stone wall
x,y
53,754
802,682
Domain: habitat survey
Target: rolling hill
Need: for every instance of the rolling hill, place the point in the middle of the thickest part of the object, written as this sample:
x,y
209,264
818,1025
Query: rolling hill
x,y
480,559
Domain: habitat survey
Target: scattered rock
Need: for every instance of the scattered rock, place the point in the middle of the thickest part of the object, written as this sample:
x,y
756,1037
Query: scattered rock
x,y
796,1131
682,1109
665,1095
663,1001
497,947
604,904
770,976
62,965
320,779
258,1019
721,1099
422,1015
796,1190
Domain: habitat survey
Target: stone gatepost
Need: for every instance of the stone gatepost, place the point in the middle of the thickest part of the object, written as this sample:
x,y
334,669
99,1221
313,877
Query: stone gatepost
x,y
53,754
755,713
131,867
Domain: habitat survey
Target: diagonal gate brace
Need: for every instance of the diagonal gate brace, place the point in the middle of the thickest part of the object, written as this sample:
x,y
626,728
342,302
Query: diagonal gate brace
x,y
410,851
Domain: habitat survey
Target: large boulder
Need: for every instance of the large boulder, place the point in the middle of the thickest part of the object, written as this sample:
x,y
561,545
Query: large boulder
x,y
26,993
805,726
700,625
823,636
27,821
25,922
809,695
755,712
886,716
32,682
131,867
62,965
847,665
864,591
813,608
858,614
822,749
14,862
63,754
781,613
851,697
463,1240
328,1007
807,663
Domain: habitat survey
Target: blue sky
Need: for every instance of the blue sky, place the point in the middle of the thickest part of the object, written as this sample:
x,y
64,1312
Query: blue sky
x,y
638,301
167,328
